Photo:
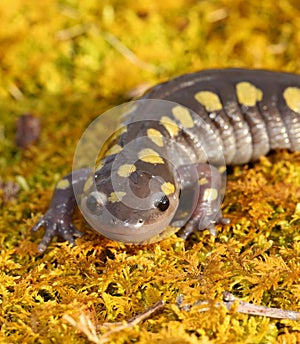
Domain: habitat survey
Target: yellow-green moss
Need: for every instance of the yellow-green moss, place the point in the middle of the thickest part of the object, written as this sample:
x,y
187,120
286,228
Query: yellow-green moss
x,y
63,62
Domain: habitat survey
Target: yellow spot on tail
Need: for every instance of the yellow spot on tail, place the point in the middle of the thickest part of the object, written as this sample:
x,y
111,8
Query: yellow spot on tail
x,y
202,181
167,188
113,150
170,125
183,115
291,96
126,170
210,195
149,155
63,184
209,100
248,94
116,196
155,136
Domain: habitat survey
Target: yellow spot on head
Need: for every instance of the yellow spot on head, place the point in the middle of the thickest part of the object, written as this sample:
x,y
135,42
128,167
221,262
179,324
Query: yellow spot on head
x,y
170,125
155,136
113,150
209,100
126,170
63,184
167,188
202,181
149,155
210,195
183,115
116,196
291,96
248,94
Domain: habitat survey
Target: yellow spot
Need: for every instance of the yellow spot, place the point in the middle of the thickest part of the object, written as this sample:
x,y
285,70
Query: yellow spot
x,y
291,96
63,184
167,188
222,169
99,165
209,100
183,115
170,125
202,181
126,170
155,136
116,196
248,94
109,146
210,195
149,155
88,184
113,150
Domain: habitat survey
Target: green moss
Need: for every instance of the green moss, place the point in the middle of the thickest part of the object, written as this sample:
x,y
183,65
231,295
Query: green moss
x,y
63,62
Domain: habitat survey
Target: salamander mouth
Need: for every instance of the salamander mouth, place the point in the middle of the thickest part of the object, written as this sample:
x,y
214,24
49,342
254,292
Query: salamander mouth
x,y
125,231
130,234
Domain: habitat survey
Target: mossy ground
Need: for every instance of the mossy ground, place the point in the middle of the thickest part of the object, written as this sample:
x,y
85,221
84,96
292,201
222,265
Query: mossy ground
x,y
65,62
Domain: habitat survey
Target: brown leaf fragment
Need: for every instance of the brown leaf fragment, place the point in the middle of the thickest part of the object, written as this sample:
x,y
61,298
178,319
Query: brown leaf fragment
x,y
28,130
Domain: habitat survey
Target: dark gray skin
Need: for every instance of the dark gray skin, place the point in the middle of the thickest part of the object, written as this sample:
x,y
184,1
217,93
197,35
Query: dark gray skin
x,y
243,129
268,125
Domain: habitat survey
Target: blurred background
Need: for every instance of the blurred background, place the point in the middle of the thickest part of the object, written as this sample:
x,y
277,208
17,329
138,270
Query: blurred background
x,y
106,48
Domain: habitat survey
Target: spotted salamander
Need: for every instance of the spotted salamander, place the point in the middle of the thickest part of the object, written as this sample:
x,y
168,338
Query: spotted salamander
x,y
155,176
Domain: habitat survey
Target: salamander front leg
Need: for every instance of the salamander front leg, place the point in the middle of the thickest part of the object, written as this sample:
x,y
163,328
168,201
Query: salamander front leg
x,y
193,225
207,199
58,219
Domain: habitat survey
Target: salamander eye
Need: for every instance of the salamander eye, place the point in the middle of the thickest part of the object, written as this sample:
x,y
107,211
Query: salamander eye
x,y
163,203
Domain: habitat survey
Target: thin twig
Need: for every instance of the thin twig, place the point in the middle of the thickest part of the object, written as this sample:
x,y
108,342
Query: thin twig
x,y
71,32
127,53
15,92
138,318
85,325
230,302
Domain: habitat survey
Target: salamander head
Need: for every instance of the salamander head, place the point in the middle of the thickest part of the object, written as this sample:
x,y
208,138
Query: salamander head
x,y
129,203
134,193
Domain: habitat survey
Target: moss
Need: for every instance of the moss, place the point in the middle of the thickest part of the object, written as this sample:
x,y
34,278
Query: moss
x,y
64,62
